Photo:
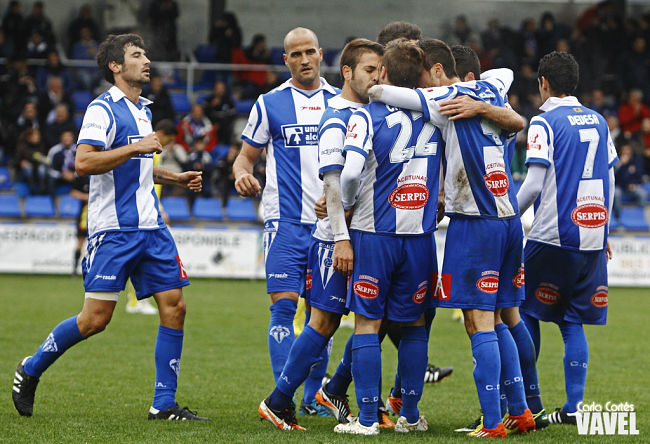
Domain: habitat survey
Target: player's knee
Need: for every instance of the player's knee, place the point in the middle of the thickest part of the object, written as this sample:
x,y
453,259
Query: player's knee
x,y
325,325
93,324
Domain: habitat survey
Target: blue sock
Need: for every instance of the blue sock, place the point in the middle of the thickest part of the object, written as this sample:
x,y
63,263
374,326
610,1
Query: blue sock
x,y
64,336
532,325
412,363
528,364
342,378
503,399
576,357
513,382
314,381
281,334
396,392
366,370
167,354
487,370
305,353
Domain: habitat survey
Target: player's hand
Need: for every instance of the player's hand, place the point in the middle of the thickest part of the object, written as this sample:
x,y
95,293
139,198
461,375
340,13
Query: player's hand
x,y
440,210
247,185
608,251
192,180
320,206
149,144
461,107
343,257
374,92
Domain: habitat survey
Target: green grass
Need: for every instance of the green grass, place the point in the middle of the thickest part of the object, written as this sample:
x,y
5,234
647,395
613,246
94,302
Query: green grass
x,y
101,389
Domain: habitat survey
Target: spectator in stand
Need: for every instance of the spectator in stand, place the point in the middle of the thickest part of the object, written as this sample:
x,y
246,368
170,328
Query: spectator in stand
x,y
644,136
196,126
83,20
61,162
221,111
528,52
599,104
631,113
549,33
38,22
28,119
12,24
162,16
20,87
85,49
629,179
53,68
634,65
498,44
462,34
614,128
30,161
525,86
173,156
37,46
226,35
223,176
200,160
162,107
49,99
62,122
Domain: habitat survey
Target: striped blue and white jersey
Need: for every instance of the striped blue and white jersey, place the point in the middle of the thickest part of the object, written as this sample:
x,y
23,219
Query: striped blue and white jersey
x,y
400,181
331,140
575,145
285,122
124,198
478,181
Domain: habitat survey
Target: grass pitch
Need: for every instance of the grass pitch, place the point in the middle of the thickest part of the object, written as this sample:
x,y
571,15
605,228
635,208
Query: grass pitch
x,y
101,389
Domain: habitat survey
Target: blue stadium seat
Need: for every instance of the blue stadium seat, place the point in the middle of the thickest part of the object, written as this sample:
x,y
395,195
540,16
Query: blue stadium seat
x,y
206,53
5,179
646,187
329,55
21,189
219,151
244,106
176,207
633,218
207,208
200,98
81,98
39,206
613,224
78,120
69,206
276,55
9,206
241,209
180,102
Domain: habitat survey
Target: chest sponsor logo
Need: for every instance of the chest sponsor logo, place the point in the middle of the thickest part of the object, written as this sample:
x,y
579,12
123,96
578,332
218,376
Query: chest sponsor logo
x,y
547,295
300,135
590,215
421,294
366,290
600,298
410,196
489,283
497,182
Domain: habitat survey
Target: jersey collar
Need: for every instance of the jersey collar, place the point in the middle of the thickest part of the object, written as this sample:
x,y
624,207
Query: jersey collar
x,y
117,94
323,85
339,102
554,102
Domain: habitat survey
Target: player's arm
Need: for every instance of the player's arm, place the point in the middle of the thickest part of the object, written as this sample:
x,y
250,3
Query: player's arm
x,y
532,186
464,107
192,180
612,159
343,255
397,96
358,142
245,182
537,161
91,159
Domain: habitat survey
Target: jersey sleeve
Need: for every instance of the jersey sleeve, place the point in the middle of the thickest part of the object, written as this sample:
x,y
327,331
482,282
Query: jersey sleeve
x,y
612,157
500,78
359,133
538,144
431,98
96,125
331,140
256,132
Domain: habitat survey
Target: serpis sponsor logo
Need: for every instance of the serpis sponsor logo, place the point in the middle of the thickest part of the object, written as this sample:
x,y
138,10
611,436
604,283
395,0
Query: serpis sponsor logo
x,y
497,182
600,298
547,295
300,135
365,289
410,196
489,283
308,281
590,215
421,294
519,280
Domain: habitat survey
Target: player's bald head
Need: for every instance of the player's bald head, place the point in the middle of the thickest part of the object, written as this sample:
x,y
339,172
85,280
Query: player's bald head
x,y
297,34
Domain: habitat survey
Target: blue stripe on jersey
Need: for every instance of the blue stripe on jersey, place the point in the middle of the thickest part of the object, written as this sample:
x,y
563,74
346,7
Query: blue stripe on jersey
x,y
127,182
110,115
325,169
253,143
258,108
91,142
356,150
425,107
330,126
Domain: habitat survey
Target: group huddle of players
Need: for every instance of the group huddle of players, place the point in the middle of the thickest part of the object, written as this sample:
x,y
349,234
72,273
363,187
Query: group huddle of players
x,y
416,133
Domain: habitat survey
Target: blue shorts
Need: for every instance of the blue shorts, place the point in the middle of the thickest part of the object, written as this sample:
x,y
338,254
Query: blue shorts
x,y
565,285
392,275
286,245
326,288
482,268
148,257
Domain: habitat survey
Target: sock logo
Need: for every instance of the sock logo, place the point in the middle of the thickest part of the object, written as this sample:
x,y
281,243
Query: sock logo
x,y
175,365
279,333
50,344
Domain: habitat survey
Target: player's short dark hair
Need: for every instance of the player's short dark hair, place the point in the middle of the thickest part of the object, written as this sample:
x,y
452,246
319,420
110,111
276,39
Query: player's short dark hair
x,y
353,51
112,50
561,70
403,62
167,127
437,51
396,30
466,61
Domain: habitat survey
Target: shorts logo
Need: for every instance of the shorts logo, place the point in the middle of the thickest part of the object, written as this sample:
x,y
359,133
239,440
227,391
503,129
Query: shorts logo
x,y
519,280
497,182
600,298
547,294
279,333
589,215
325,252
300,135
489,283
181,269
410,196
443,286
420,295
308,281
366,290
